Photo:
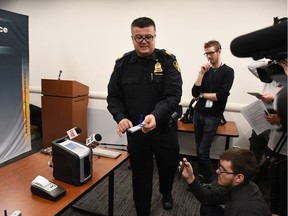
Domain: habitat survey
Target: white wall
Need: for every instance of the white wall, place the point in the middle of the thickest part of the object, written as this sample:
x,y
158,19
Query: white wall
x,y
84,38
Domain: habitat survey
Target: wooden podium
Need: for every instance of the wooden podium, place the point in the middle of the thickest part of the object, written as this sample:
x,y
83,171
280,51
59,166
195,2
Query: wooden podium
x,y
64,106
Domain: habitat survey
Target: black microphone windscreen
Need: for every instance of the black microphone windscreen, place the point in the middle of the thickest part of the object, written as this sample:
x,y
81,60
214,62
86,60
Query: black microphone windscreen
x,y
269,42
98,137
78,130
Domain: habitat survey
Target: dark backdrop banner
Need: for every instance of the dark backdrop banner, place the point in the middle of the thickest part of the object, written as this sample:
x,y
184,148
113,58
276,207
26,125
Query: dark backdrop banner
x,y
14,85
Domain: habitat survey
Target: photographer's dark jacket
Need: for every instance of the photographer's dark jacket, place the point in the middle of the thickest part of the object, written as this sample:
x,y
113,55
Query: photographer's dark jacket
x,y
241,200
145,85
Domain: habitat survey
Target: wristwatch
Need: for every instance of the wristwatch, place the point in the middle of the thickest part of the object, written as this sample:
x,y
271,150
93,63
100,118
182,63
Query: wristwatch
x,y
201,95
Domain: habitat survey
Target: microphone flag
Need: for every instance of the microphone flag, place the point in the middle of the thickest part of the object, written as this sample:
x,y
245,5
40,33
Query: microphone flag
x,y
90,139
72,133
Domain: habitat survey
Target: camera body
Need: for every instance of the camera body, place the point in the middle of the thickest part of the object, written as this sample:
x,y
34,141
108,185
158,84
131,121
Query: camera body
x,y
266,73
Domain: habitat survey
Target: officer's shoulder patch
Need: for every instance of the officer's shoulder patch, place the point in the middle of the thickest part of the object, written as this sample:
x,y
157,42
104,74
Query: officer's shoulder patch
x,y
176,65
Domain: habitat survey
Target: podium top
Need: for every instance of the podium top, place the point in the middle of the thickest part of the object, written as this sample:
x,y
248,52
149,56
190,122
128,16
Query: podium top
x,y
63,88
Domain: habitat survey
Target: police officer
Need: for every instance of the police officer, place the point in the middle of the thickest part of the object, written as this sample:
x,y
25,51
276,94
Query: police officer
x,y
146,87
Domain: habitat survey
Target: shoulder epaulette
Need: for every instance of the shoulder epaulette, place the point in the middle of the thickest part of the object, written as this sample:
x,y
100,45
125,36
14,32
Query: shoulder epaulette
x,y
125,54
166,52
173,57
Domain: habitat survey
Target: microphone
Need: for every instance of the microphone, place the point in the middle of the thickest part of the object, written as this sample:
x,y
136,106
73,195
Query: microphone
x,y
98,137
59,74
270,42
92,140
72,133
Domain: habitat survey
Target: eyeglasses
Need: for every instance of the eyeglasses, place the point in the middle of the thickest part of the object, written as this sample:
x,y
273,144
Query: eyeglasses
x,y
210,53
222,170
140,38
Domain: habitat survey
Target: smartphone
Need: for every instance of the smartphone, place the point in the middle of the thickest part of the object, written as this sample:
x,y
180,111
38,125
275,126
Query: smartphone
x,y
272,111
256,94
181,170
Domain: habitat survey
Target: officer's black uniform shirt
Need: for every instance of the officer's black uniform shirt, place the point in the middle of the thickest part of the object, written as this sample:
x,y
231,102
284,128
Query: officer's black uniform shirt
x,y
145,85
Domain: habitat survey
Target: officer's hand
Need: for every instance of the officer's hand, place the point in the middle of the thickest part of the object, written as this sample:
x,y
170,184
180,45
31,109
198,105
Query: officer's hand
x,y
149,123
123,126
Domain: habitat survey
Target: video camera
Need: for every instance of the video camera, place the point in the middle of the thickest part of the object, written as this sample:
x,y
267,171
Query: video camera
x,y
267,72
269,43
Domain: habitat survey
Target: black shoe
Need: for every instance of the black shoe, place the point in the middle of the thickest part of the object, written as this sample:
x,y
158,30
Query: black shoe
x,y
167,202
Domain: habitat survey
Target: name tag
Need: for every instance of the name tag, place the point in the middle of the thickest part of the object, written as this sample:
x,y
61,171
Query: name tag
x,y
208,104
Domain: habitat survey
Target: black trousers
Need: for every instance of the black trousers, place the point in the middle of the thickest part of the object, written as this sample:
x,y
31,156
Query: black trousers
x,y
278,183
161,144
258,144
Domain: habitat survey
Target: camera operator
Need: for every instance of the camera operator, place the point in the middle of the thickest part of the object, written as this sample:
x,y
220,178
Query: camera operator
x,y
271,88
271,42
277,150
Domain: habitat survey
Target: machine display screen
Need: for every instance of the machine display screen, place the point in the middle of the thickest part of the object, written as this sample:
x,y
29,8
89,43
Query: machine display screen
x,y
73,146
77,148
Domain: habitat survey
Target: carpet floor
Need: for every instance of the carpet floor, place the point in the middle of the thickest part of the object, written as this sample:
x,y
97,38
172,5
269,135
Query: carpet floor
x,y
184,202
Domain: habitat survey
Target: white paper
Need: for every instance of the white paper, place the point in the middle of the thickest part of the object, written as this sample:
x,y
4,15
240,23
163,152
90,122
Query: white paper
x,y
255,115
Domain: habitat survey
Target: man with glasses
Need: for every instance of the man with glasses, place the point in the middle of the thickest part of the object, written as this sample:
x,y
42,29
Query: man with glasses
x,y
211,89
145,88
236,191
